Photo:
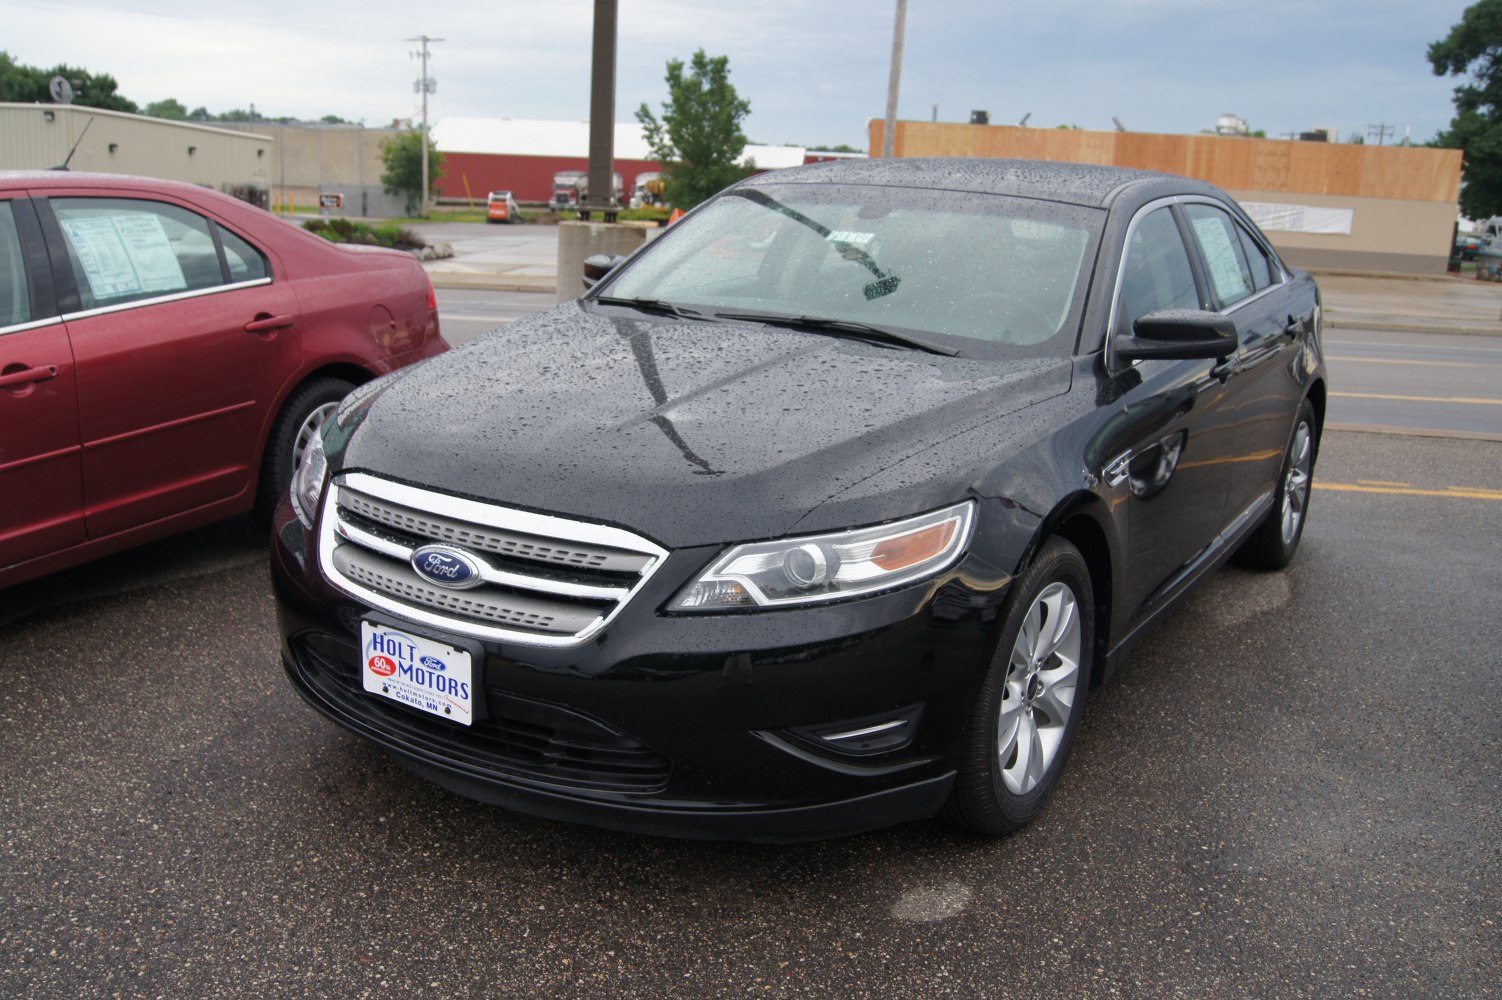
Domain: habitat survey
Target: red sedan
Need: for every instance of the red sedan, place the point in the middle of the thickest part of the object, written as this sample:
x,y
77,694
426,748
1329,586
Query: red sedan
x,y
165,354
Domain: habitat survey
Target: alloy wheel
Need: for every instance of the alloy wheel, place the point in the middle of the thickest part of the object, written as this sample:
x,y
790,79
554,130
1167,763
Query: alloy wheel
x,y
1042,675
310,428
1296,480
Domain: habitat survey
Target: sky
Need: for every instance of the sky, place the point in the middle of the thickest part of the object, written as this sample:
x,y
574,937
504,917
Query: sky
x,y
815,71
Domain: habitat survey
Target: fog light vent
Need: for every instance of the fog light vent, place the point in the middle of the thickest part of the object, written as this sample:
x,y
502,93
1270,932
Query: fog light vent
x,y
862,737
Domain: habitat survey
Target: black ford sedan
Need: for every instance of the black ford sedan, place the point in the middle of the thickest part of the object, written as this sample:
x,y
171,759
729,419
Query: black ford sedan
x,y
822,512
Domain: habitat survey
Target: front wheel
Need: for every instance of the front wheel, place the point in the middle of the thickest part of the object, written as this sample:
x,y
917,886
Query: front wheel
x,y
301,418
1273,544
1031,700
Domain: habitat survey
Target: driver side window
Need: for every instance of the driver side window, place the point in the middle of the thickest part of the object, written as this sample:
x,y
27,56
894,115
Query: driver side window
x,y
1156,274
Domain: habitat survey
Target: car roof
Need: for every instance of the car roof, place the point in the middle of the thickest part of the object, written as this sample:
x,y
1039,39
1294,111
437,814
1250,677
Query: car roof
x,y
1087,184
73,178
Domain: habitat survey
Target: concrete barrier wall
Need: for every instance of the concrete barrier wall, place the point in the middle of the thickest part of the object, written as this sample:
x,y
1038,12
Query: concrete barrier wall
x,y
578,240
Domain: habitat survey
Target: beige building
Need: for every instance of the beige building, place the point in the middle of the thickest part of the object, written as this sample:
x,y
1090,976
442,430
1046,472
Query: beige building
x,y
313,159
37,136
289,166
1324,205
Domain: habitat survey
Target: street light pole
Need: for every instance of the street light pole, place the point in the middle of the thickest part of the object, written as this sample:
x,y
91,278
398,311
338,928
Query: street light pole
x,y
888,134
426,86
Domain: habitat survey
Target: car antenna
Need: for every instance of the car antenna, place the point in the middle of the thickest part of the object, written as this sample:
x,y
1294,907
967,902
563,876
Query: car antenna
x,y
64,165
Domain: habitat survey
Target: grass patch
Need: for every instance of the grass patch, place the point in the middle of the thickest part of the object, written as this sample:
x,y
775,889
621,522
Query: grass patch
x,y
389,234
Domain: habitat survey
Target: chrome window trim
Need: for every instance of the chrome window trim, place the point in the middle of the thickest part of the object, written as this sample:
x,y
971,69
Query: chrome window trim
x,y
1284,275
490,515
194,293
31,325
1126,244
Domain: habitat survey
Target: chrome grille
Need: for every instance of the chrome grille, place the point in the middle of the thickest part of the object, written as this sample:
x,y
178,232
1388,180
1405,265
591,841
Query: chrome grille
x,y
484,539
547,580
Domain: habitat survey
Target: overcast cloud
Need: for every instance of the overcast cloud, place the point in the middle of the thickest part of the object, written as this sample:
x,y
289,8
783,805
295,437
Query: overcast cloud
x,y
815,71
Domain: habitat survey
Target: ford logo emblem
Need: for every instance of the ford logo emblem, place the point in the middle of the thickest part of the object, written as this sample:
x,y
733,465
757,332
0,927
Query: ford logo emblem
x,y
446,566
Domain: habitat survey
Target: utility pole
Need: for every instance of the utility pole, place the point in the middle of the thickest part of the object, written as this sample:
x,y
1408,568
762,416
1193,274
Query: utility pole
x,y
425,86
1381,131
602,114
888,134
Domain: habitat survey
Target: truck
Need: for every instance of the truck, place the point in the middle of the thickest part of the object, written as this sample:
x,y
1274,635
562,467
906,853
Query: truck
x,y
647,191
571,189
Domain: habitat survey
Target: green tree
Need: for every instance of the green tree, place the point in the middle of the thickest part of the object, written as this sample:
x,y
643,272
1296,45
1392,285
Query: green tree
x,y
29,84
699,139
169,107
1473,49
402,156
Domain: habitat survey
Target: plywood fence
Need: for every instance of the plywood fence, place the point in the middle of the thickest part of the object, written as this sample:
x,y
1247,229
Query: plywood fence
x,y
1273,165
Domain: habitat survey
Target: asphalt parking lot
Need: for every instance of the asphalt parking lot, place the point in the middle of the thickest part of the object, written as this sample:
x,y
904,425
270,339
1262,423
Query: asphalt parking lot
x,y
1292,790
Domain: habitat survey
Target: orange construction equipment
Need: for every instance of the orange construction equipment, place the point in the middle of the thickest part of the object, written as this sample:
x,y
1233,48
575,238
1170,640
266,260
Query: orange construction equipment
x,y
675,216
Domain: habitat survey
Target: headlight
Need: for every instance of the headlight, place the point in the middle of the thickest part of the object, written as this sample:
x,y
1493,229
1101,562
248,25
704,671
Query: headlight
x,y
307,482
830,567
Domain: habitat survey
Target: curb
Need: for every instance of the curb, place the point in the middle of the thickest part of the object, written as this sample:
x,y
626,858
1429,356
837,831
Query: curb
x,y
494,282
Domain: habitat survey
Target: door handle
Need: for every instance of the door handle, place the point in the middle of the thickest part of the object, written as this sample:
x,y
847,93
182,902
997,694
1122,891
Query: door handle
x,y
1294,327
24,376
264,323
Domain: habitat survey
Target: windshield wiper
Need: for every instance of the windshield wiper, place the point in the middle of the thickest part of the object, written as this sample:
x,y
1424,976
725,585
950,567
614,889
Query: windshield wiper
x,y
651,305
880,334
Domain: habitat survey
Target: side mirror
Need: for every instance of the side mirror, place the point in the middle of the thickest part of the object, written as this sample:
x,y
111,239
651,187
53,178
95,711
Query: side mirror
x,y
1178,334
596,266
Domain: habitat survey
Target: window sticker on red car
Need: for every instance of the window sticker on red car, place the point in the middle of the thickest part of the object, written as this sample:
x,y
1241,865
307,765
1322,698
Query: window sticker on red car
x,y
125,254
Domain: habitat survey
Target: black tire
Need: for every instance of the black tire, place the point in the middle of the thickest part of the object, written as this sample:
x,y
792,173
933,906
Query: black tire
x,y
307,407
1035,687
1274,542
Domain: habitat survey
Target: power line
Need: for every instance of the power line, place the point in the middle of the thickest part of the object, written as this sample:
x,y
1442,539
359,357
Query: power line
x,y
1380,132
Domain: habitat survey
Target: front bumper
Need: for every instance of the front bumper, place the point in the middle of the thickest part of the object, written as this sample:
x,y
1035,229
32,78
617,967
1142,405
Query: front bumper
x,y
713,726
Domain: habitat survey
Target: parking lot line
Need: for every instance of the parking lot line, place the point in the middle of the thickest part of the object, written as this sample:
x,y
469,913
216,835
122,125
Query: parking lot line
x,y
1465,400
1452,492
1399,361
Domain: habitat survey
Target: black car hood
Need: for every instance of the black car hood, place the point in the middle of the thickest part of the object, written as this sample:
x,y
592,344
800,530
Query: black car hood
x,y
686,431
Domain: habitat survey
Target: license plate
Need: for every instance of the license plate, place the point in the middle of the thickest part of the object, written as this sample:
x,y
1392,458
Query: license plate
x,y
418,672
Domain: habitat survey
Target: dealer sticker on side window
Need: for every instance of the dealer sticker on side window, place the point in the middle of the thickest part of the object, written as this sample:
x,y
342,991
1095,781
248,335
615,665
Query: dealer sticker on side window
x,y
417,672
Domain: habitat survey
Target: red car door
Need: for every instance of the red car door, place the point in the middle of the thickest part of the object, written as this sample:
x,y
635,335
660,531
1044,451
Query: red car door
x,y
180,356
41,494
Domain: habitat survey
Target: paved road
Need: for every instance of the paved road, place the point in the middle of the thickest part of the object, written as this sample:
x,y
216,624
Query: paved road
x,y
464,314
1416,383
1292,790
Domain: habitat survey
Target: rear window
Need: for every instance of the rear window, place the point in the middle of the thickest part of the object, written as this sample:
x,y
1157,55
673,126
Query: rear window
x,y
125,249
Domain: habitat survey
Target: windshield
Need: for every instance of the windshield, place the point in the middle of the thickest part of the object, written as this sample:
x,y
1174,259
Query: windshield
x,y
1004,275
